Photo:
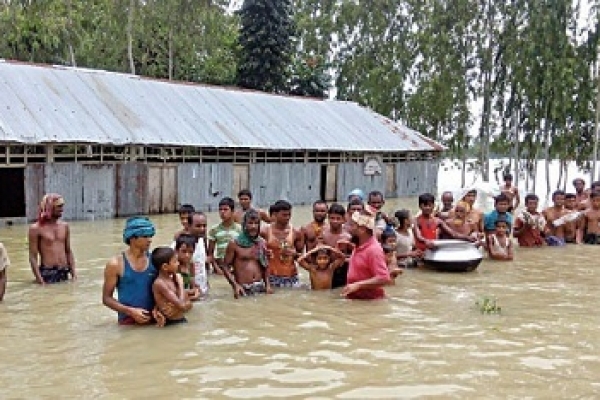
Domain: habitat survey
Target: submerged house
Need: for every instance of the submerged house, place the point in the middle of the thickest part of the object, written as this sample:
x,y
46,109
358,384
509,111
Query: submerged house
x,y
117,145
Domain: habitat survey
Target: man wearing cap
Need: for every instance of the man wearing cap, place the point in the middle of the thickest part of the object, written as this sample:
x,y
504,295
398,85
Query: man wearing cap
x,y
368,272
50,255
132,274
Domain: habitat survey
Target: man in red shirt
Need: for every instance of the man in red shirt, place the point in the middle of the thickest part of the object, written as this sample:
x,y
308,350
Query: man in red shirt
x,y
368,271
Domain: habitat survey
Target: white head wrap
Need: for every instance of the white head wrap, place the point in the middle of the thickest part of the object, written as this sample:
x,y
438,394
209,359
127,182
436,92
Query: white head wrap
x,y
362,219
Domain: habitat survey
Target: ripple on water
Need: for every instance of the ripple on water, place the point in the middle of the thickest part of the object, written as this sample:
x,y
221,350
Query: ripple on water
x,y
405,392
223,341
334,357
262,391
544,363
314,324
275,379
271,342
335,344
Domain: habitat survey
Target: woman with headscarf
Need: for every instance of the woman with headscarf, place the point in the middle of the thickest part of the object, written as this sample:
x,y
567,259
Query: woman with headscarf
x,y
50,255
132,274
247,254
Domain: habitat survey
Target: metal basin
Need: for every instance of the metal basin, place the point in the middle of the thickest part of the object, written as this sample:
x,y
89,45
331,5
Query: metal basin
x,y
453,256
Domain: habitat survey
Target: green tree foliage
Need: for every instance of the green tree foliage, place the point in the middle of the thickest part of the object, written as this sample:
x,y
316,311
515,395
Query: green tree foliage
x,y
309,77
517,77
514,78
266,39
170,39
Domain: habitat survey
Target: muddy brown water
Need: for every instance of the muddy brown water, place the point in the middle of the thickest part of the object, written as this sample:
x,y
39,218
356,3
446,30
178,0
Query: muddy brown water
x,y
427,340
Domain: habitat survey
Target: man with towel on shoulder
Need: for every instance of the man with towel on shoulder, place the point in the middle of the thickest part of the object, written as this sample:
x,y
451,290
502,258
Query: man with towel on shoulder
x,y
50,255
132,274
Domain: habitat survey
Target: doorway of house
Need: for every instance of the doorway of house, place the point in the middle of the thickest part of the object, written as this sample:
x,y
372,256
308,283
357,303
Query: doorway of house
x,y
12,204
328,182
241,178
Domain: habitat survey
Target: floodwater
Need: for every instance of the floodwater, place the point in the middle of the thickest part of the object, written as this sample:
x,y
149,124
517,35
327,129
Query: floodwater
x,y
427,340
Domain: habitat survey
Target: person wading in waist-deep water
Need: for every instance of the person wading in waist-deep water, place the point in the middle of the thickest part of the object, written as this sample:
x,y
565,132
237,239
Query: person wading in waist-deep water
x,y
247,257
220,235
50,255
245,200
285,244
368,271
313,231
132,274
335,236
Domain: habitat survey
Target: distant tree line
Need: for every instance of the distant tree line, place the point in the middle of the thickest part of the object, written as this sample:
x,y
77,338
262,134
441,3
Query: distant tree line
x,y
530,66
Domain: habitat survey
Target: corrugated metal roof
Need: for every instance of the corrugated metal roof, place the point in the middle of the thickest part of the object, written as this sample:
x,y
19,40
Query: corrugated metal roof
x,y
45,104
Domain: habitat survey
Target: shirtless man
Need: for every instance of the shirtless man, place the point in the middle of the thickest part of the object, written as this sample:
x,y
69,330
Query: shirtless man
x,y
335,236
510,191
245,200
474,216
247,255
591,220
334,232
458,222
376,201
49,238
555,235
447,205
313,232
572,225
285,244
581,197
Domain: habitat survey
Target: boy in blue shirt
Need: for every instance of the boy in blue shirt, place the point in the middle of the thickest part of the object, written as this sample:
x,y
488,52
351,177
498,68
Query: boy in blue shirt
x,y
501,205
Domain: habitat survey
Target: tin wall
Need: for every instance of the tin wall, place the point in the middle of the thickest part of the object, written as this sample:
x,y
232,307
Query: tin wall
x,y
34,189
132,189
416,177
203,185
351,176
297,183
88,190
105,191
99,195
67,180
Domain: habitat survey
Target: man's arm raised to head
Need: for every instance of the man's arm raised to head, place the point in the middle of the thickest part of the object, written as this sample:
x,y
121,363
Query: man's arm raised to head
x,y
264,216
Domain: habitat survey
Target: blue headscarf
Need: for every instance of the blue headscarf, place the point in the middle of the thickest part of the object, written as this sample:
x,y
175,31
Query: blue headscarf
x,y
357,192
138,227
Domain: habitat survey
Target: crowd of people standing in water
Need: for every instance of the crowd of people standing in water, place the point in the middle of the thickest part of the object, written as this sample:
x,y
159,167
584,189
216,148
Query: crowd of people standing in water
x,y
358,248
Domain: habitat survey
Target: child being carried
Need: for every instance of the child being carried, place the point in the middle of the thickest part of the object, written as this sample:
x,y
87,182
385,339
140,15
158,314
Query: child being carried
x,y
169,293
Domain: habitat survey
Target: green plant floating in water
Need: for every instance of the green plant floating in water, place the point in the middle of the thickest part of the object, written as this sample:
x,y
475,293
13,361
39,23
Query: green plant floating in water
x,y
489,305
